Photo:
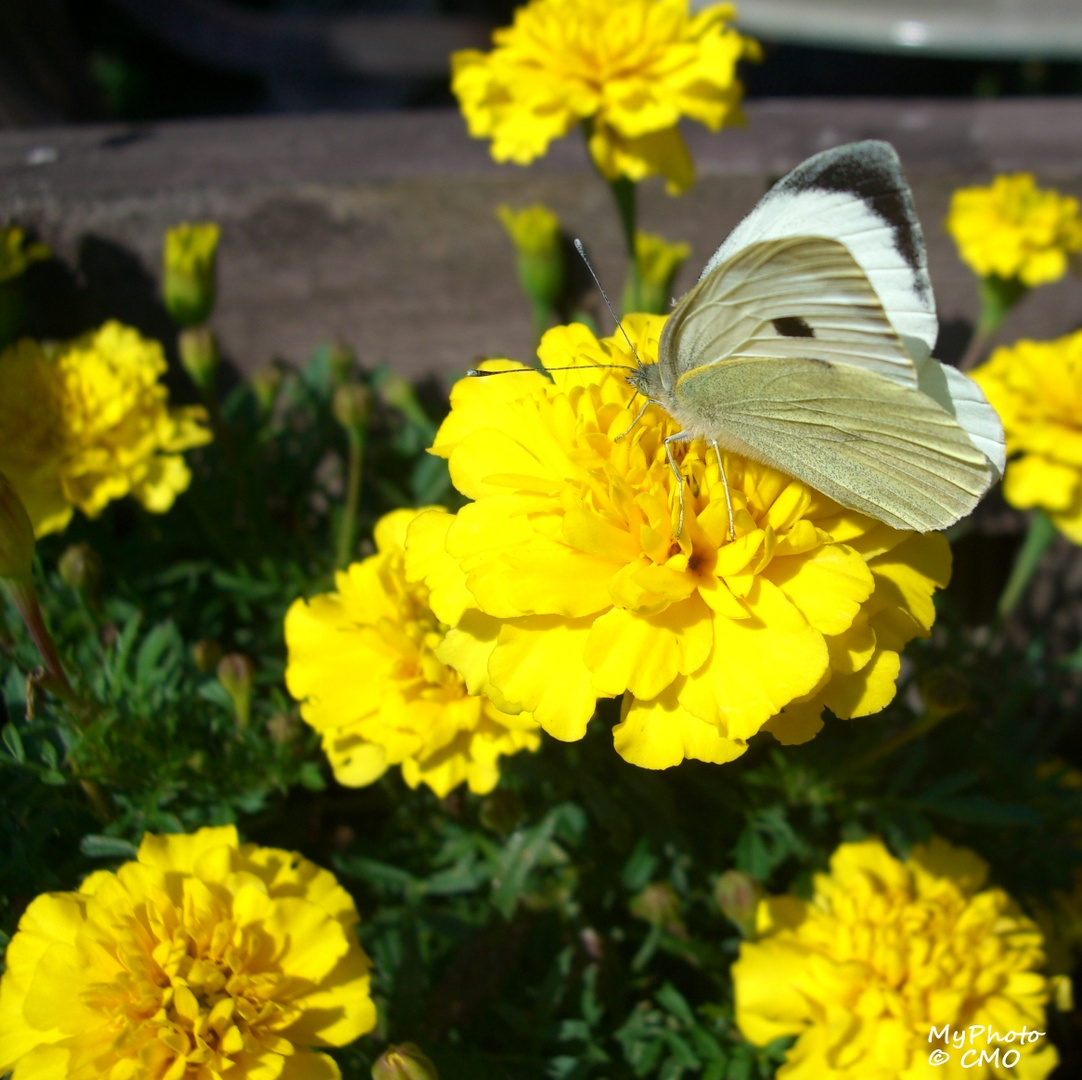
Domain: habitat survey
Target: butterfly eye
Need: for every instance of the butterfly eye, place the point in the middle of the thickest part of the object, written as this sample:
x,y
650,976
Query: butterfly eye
x,y
792,326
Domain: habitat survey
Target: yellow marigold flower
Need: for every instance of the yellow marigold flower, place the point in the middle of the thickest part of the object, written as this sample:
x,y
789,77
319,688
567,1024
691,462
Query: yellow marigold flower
x,y
629,69
1015,229
203,958
189,281
16,254
87,422
409,709
1036,387
883,953
564,580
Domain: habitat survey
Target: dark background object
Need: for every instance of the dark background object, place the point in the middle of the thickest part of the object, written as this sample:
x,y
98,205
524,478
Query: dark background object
x,y
62,61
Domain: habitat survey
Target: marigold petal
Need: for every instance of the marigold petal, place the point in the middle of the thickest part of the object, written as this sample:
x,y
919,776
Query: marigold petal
x,y
1035,480
828,584
658,734
865,691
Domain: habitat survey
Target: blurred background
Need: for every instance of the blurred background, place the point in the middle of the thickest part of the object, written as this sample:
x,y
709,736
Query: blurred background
x,y
64,61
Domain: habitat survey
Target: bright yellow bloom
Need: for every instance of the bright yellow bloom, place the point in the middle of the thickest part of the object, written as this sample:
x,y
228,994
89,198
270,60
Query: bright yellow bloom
x,y
534,230
15,254
1036,387
363,661
204,958
87,422
189,281
564,579
629,69
883,952
1015,229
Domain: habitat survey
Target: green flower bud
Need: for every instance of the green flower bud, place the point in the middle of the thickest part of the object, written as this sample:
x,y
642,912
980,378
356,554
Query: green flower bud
x,y
407,1061
80,567
352,404
16,535
206,653
265,384
198,349
399,393
945,692
657,262
283,728
737,894
190,279
657,904
342,360
235,671
535,232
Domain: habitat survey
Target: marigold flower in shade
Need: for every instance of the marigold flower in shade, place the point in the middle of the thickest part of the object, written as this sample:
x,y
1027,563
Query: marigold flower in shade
x,y
1015,229
884,952
189,283
203,958
629,69
564,580
1036,387
87,422
409,708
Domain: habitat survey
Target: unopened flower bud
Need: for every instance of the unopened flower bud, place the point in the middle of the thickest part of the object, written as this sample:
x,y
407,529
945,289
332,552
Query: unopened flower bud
x,y
206,653
737,894
235,671
190,279
657,904
501,811
16,535
265,384
399,393
352,404
198,349
657,263
80,567
283,728
945,692
535,232
342,360
407,1061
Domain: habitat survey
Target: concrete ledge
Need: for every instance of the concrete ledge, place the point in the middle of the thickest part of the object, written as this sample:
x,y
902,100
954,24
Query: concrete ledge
x,y
378,229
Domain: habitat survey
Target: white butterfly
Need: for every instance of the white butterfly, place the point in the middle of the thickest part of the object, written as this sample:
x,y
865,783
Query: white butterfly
x,y
806,344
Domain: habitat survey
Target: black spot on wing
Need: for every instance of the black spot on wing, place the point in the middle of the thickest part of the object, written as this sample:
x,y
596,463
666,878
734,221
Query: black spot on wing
x,y
792,326
869,171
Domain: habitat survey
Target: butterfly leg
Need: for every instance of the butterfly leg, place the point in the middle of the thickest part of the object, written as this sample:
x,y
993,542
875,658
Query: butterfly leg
x,y
628,429
679,436
725,485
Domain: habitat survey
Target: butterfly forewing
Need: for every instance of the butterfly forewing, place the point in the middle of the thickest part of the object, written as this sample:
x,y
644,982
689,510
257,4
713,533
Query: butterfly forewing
x,y
800,297
867,442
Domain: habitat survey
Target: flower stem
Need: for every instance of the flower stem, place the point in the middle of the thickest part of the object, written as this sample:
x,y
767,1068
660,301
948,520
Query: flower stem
x,y
347,527
1041,534
25,599
624,192
998,296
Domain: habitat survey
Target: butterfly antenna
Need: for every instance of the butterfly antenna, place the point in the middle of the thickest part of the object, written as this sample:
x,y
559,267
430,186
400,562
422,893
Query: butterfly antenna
x,y
604,296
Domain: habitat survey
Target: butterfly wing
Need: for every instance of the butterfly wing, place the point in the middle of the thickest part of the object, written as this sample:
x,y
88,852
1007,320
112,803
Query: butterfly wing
x,y
799,297
857,196
865,441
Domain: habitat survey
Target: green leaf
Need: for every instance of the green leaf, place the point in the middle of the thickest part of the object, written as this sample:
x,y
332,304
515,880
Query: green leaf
x,y
639,869
13,742
107,847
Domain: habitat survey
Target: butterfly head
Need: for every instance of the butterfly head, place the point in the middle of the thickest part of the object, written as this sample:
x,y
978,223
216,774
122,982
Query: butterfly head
x,y
646,379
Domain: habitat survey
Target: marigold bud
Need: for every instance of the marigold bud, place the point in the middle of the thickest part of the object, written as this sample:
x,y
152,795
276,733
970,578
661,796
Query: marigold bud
x,y
342,360
945,691
407,1061
235,671
265,384
535,232
206,653
80,567
352,404
283,728
657,263
400,394
16,535
737,894
190,278
198,349
657,904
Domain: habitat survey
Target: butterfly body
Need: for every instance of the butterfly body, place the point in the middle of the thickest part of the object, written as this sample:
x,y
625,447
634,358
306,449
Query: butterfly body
x,y
806,345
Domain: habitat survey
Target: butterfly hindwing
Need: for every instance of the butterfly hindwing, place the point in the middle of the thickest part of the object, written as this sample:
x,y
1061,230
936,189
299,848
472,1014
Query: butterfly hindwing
x,y
867,442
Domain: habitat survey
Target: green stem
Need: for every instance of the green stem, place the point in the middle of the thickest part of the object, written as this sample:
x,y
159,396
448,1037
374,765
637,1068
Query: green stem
x,y
25,600
998,296
921,726
1041,534
347,527
624,192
